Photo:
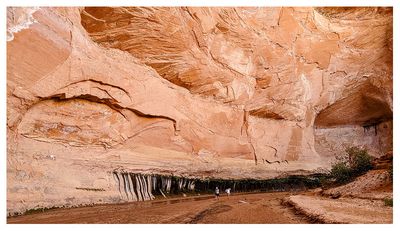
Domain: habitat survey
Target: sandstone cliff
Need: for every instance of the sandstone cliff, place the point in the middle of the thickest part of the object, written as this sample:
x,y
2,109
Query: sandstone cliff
x,y
198,92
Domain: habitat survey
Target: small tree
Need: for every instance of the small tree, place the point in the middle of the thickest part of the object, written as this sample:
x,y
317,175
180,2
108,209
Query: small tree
x,y
354,163
341,172
359,160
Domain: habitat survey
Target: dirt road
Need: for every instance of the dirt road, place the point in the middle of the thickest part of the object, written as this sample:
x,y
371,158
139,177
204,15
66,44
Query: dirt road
x,y
238,209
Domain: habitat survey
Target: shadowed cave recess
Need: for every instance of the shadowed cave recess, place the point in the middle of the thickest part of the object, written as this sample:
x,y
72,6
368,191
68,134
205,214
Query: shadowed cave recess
x,y
139,187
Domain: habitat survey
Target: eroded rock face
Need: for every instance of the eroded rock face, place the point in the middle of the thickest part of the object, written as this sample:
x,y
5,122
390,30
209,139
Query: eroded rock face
x,y
199,92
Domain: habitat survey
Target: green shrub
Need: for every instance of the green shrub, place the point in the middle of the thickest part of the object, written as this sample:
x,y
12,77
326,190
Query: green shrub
x,y
359,160
341,172
388,202
354,163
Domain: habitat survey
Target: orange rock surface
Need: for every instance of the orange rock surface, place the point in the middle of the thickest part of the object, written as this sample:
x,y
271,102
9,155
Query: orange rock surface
x,y
198,92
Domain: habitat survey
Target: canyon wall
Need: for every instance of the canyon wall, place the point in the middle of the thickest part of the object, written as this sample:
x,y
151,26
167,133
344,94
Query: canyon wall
x,y
202,93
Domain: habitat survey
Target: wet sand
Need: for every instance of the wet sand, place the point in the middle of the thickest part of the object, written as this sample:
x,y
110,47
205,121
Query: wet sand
x,y
260,208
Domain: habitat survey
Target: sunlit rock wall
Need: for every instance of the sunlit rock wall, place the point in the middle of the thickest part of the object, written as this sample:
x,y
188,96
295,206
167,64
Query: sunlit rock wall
x,y
227,93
